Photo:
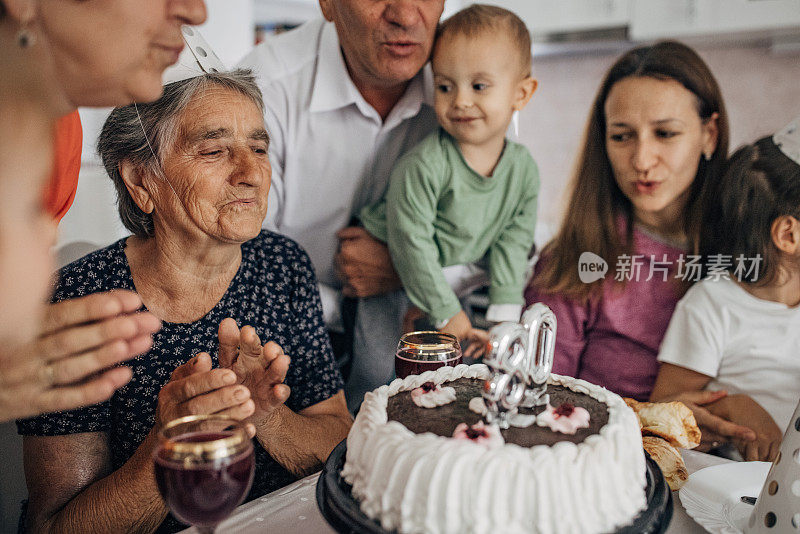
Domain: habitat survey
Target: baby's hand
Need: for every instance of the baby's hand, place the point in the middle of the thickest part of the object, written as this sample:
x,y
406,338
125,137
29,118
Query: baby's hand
x,y
459,326
743,410
478,342
474,339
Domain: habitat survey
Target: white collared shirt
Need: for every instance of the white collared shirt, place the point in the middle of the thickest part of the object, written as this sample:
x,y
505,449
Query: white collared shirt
x,y
331,153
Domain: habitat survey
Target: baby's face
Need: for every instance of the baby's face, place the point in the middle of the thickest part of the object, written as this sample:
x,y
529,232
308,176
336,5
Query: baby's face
x,y
478,81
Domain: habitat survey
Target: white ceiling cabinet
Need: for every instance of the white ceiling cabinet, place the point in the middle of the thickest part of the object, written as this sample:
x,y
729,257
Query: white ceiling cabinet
x,y
652,19
558,16
286,11
645,19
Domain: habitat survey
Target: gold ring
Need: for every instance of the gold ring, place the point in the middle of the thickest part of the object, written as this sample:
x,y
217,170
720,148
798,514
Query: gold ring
x,y
48,374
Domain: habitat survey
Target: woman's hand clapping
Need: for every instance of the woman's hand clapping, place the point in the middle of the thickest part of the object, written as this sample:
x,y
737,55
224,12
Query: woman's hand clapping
x,y
262,369
195,388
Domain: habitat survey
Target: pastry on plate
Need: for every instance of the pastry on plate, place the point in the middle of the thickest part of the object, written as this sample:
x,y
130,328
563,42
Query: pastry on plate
x,y
673,421
668,459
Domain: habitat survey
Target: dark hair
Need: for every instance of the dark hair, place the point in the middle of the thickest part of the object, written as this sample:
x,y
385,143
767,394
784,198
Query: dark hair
x,y
760,184
591,221
123,136
480,18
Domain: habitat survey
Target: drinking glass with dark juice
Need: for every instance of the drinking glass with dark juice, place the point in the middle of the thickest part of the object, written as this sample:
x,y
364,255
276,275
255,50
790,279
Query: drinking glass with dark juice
x,y
204,468
418,352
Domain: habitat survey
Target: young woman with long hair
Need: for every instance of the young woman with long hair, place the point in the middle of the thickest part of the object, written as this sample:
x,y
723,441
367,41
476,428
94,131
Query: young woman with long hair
x,y
657,136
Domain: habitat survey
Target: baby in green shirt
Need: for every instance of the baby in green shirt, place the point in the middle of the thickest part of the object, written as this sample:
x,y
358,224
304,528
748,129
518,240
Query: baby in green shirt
x,y
466,194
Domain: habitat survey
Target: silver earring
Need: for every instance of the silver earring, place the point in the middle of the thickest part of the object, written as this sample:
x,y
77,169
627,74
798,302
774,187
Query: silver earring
x,y
707,156
25,38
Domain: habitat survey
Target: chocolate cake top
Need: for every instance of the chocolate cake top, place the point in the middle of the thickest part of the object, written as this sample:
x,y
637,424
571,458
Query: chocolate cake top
x,y
444,419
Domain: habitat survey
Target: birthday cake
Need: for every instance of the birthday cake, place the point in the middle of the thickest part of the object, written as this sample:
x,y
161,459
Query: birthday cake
x,y
433,466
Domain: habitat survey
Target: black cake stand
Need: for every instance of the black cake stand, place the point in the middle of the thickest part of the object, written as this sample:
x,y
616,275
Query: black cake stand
x,y
341,510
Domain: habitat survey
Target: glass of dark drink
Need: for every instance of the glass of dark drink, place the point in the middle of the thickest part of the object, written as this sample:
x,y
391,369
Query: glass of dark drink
x,y
204,468
418,352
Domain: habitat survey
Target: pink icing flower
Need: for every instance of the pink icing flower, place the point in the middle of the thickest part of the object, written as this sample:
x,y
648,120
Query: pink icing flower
x,y
425,388
429,386
488,436
431,395
566,419
565,410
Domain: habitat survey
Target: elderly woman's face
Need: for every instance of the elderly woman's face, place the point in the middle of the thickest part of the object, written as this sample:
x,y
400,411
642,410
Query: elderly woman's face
x,y
112,52
654,140
218,168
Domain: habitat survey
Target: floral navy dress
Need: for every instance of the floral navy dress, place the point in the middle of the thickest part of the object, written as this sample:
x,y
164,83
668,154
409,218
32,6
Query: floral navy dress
x,y
274,291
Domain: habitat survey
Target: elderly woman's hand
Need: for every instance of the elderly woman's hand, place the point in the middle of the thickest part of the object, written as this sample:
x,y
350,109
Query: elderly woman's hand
x,y
195,388
261,368
68,365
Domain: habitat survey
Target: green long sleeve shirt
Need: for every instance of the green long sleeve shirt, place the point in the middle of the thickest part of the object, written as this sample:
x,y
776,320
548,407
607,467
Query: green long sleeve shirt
x,y
439,212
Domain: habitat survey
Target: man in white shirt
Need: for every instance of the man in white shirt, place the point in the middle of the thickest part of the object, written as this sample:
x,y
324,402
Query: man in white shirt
x,y
344,99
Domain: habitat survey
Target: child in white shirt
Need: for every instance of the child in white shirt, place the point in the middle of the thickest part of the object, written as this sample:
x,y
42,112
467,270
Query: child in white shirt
x,y
738,330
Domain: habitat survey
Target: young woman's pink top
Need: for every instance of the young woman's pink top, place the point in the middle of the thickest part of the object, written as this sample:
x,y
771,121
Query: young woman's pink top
x,y
613,341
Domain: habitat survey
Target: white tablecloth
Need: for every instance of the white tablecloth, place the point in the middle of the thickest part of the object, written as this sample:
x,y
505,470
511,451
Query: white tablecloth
x,y
293,509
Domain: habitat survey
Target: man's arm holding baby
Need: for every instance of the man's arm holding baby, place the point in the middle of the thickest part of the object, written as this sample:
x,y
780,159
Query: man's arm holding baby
x,y
364,264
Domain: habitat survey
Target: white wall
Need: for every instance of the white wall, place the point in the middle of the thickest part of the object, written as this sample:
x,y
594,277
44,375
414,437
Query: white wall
x,y
230,28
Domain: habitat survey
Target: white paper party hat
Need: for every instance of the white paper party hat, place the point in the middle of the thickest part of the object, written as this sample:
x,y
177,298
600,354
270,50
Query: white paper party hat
x,y
197,58
778,506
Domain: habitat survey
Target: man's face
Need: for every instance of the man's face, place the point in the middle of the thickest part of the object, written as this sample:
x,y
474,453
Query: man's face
x,y
385,42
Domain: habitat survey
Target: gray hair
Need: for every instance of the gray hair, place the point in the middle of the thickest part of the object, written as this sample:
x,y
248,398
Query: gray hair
x,y
123,135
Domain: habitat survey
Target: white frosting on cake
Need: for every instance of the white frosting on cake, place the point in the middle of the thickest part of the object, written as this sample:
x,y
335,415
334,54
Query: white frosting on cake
x,y
477,405
433,398
424,483
579,418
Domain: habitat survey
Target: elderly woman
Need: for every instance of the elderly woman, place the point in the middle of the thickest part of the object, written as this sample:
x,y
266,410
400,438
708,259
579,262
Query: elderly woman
x,y
192,176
